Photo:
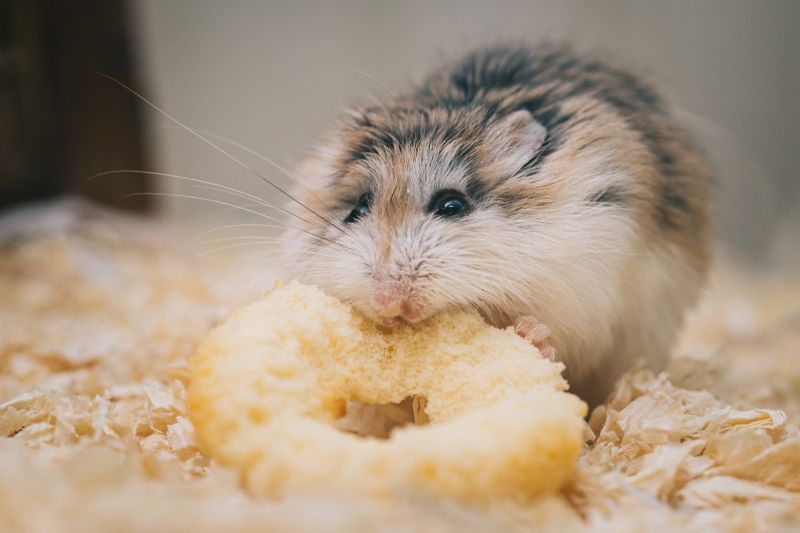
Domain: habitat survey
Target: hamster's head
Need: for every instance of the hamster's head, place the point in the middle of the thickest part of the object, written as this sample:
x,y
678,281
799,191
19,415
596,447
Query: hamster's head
x,y
520,202
418,210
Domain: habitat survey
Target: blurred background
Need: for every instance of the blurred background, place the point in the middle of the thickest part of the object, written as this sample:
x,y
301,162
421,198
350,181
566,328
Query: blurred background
x,y
271,75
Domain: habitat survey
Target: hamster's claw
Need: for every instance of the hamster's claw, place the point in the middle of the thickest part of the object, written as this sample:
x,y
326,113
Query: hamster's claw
x,y
538,334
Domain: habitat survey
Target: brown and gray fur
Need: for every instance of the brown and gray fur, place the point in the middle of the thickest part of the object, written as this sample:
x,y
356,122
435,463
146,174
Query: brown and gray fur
x,y
588,207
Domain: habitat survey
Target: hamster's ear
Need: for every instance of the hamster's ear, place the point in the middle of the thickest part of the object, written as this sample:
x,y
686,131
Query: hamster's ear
x,y
515,139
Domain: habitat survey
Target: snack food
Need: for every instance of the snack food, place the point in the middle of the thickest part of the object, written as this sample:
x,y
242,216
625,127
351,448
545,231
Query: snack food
x,y
270,382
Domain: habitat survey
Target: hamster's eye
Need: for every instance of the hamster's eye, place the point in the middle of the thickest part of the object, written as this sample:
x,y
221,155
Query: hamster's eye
x,y
359,210
449,204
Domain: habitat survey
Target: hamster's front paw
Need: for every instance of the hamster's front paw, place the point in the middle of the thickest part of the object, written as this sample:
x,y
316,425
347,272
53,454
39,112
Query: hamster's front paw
x,y
538,334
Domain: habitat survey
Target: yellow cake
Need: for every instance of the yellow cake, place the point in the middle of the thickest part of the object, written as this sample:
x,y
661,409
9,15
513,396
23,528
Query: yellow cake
x,y
269,384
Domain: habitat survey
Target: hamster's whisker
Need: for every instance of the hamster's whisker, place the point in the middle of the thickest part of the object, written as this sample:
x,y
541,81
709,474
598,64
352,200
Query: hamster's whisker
x,y
235,238
246,196
216,186
230,246
260,156
201,245
216,136
219,230
221,150
276,240
234,206
246,256
168,175
376,80
231,226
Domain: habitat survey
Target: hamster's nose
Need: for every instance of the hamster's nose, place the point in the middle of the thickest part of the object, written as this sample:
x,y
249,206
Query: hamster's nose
x,y
392,303
394,310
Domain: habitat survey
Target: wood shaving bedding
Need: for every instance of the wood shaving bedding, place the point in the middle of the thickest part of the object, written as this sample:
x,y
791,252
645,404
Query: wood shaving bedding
x,y
97,322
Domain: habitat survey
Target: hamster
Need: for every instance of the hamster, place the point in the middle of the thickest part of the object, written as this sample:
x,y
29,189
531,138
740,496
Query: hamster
x,y
537,185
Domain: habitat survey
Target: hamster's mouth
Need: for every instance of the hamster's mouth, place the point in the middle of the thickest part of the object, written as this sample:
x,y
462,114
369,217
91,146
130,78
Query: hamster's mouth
x,y
390,322
420,313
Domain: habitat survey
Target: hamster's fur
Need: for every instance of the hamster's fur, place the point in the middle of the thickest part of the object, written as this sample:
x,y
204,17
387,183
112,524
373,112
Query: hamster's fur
x,y
519,181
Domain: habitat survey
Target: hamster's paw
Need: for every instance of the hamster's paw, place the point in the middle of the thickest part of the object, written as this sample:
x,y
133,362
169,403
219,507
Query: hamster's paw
x,y
538,334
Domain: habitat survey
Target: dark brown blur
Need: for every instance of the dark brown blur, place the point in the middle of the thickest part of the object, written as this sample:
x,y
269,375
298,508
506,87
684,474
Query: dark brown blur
x,y
60,122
